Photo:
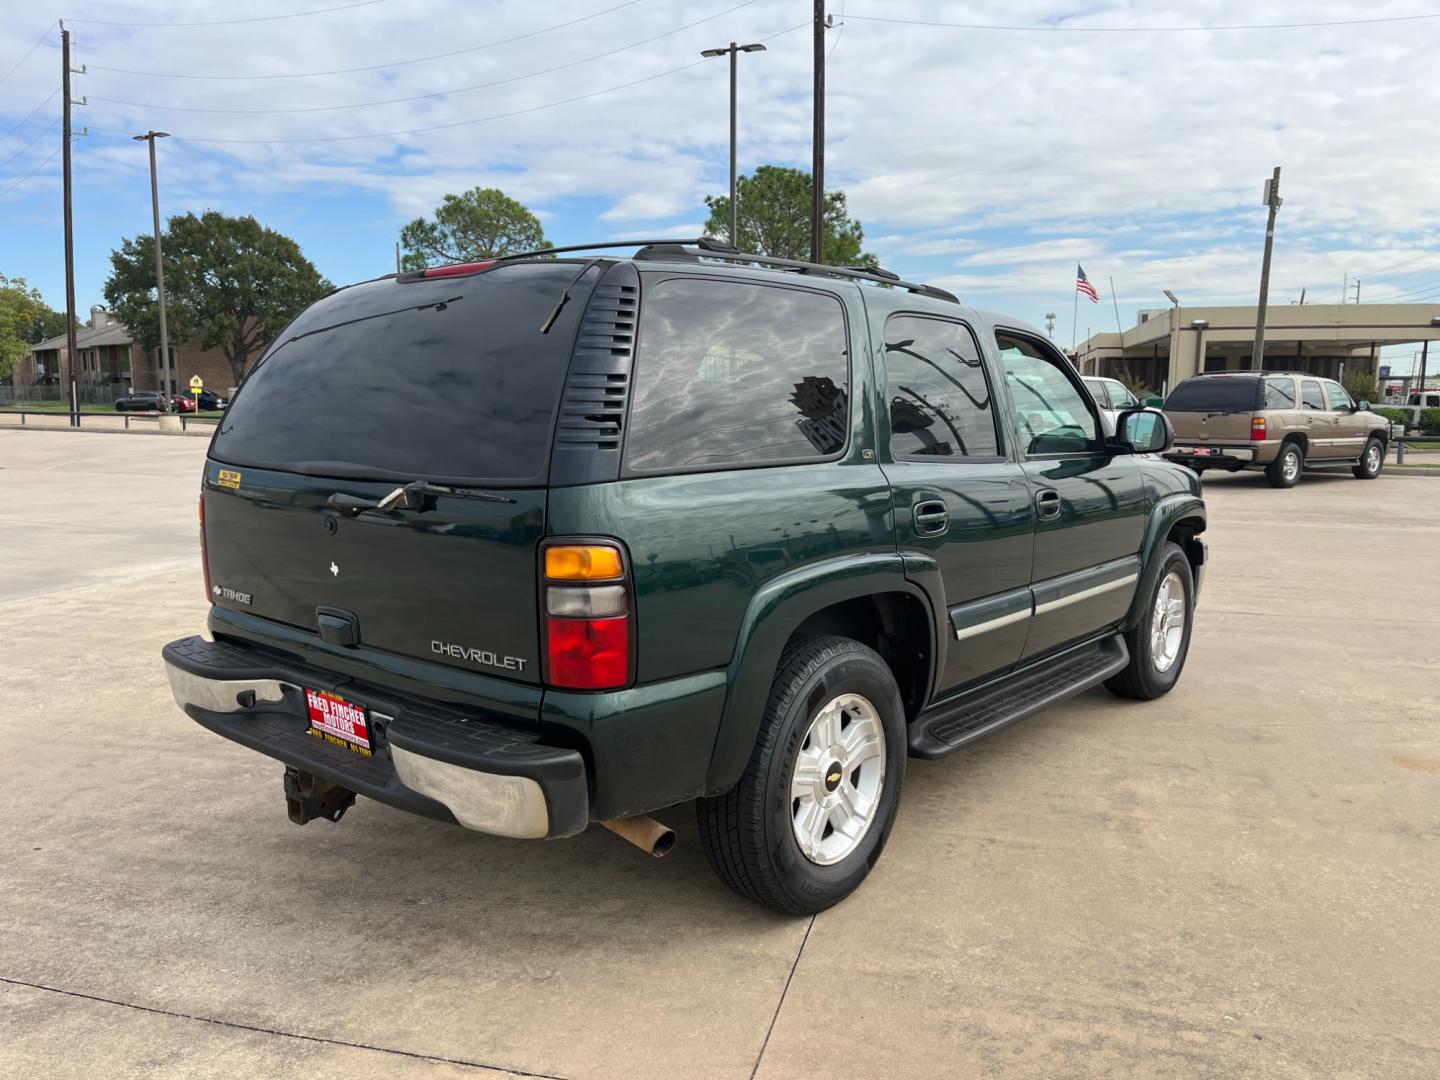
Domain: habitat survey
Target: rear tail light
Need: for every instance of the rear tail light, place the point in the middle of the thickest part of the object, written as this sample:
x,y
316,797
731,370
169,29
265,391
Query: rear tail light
x,y
1257,429
588,631
204,555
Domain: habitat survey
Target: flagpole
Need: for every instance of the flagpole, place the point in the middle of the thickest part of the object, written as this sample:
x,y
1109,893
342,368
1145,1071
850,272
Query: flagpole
x,y
1118,327
1075,311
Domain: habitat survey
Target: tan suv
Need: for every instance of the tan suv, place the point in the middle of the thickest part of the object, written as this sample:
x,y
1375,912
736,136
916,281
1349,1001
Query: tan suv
x,y
1282,422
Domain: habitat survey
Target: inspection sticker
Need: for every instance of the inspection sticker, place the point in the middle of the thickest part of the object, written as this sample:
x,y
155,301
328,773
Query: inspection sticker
x,y
228,479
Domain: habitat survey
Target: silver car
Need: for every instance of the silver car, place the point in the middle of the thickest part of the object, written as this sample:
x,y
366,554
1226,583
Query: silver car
x,y
1112,397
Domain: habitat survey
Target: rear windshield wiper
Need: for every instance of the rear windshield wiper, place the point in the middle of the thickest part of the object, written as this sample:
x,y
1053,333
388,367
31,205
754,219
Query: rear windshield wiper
x,y
565,296
409,496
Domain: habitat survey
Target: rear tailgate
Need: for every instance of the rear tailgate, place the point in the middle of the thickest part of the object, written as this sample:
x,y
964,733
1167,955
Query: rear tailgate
x,y
453,583
448,386
1214,409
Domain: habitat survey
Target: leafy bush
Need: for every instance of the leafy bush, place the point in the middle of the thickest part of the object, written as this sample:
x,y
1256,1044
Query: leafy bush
x,y
1430,421
1362,386
1134,385
1395,416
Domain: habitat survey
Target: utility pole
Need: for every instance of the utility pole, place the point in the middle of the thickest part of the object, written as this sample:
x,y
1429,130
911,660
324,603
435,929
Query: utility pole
x,y
734,50
68,369
1356,287
817,138
1050,324
167,372
1272,200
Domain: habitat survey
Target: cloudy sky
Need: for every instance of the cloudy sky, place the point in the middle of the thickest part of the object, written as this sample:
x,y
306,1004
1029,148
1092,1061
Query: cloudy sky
x,y
988,156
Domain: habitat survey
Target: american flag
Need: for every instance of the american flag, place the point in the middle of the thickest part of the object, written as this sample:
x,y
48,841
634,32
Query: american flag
x,y
1082,284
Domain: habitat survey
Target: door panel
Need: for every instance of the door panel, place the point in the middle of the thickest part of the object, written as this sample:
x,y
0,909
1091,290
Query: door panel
x,y
1319,420
1074,605
1096,517
1351,431
1090,503
983,550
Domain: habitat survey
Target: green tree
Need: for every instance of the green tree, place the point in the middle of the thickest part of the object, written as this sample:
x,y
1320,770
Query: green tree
x,y
229,281
774,218
25,320
481,223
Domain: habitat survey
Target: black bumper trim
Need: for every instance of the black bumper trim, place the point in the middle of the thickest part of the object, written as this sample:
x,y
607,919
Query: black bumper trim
x,y
460,737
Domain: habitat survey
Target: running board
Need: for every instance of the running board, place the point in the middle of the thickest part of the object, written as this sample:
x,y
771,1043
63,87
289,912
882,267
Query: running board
x,y
951,724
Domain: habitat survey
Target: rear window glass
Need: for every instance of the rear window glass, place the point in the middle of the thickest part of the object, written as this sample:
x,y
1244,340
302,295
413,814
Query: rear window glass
x,y
447,379
735,373
1214,395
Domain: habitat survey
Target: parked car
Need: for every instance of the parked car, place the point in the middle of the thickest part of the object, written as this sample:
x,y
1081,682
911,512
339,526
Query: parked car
x,y
650,545
183,403
210,401
1415,404
141,401
1280,422
1112,396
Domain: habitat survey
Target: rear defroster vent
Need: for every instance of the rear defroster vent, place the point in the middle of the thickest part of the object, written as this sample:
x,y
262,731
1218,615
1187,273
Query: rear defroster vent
x,y
589,430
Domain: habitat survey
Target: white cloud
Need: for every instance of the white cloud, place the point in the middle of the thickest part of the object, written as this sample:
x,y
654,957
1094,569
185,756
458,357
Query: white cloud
x,y
1141,154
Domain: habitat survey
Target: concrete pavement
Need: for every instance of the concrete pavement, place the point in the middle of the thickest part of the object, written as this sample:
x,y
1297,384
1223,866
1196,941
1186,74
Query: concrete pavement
x,y
1238,880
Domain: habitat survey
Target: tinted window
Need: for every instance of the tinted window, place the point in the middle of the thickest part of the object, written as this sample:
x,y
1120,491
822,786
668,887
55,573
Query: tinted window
x,y
1214,395
1097,391
1279,394
1339,399
1053,415
737,373
1310,395
444,379
939,397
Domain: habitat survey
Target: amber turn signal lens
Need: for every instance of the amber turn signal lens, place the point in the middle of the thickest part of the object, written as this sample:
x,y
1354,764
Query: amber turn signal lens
x,y
582,562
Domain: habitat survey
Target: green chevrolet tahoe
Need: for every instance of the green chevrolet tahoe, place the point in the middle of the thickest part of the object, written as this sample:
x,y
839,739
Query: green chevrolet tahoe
x,y
573,537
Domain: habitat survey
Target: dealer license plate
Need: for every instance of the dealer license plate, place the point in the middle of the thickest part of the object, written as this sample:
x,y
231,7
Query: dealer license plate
x,y
1202,450
338,721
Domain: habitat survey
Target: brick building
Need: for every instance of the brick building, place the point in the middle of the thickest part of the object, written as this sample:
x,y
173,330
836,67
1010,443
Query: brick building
x,y
108,358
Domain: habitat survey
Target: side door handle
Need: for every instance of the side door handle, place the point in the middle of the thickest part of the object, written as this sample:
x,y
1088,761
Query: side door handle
x,y
931,517
1047,503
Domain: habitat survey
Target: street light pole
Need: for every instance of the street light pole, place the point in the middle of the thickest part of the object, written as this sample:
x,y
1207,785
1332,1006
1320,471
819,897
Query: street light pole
x,y
734,51
166,372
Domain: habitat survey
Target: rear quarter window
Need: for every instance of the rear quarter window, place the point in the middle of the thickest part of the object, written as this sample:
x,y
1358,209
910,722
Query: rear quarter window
x,y
737,373
1279,393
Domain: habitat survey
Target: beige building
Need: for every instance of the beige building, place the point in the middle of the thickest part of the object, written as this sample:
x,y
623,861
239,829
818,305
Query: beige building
x,y
109,361
1167,345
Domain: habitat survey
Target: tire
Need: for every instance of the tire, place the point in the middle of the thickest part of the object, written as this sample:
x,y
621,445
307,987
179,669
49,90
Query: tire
x,y
750,833
1372,460
1156,661
1285,470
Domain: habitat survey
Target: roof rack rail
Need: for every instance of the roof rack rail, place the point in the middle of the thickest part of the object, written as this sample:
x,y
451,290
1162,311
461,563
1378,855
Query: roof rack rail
x,y
711,248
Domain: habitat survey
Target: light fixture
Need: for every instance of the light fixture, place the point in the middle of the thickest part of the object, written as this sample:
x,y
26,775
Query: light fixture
x,y
1171,297
1199,324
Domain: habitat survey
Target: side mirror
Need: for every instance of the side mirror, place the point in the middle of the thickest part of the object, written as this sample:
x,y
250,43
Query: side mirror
x,y
1144,431
1363,406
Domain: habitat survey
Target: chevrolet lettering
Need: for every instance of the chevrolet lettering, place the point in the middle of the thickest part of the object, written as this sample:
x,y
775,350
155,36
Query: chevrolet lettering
x,y
478,656
741,536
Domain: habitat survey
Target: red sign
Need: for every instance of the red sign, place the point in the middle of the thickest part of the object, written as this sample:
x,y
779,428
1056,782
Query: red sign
x,y
338,721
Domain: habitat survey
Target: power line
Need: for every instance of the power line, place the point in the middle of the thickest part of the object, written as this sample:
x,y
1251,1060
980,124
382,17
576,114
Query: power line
x,y
28,51
432,94
374,67
236,22
17,126
456,123
1147,29
31,143
32,172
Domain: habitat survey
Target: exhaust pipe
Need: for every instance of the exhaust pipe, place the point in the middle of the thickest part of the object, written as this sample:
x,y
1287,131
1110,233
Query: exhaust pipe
x,y
645,833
